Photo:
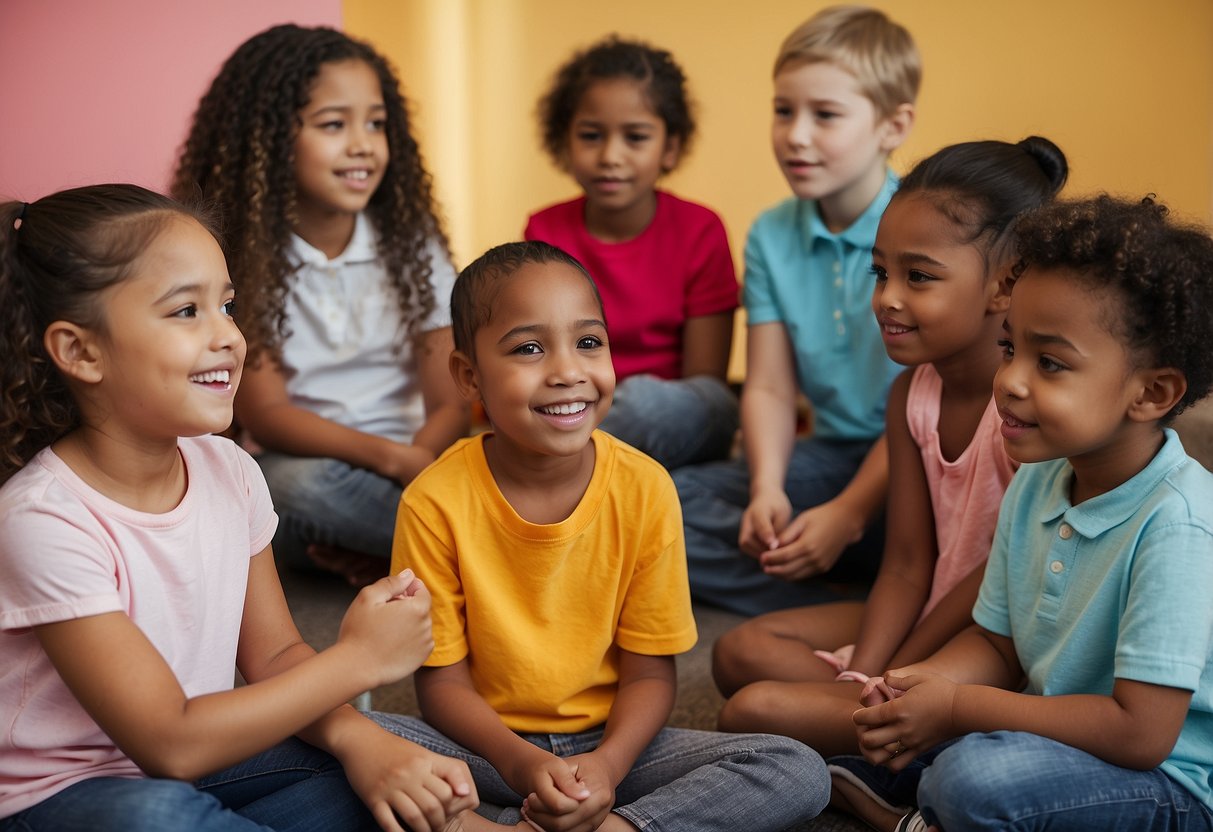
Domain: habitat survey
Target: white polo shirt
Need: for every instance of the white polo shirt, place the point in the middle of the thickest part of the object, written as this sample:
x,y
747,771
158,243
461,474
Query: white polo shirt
x,y
343,321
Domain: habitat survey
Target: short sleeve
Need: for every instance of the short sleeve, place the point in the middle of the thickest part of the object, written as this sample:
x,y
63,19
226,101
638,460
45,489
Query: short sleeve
x,y
420,547
262,521
712,287
992,609
758,293
442,280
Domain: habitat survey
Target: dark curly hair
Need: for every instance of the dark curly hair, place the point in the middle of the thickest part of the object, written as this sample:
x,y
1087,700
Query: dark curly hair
x,y
477,285
614,57
239,155
983,187
67,248
1162,271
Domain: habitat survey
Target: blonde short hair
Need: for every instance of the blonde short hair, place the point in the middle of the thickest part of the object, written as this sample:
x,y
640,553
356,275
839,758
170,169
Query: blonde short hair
x,y
865,42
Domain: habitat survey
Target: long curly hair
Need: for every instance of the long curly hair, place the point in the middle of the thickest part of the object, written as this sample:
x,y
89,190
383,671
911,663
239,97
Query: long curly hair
x,y
239,156
1161,271
57,255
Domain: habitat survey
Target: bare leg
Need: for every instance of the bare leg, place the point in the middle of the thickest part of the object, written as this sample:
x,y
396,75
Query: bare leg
x,y
780,645
847,798
358,569
816,713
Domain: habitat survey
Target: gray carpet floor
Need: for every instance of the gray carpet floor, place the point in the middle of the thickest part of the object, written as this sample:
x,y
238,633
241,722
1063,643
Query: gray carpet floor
x,y
318,602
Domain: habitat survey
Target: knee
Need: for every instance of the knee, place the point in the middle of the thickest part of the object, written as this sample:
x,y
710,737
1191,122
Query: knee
x,y
156,805
976,783
737,657
750,709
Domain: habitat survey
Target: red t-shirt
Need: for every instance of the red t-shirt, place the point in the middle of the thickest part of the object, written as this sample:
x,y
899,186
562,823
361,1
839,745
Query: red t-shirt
x,y
677,268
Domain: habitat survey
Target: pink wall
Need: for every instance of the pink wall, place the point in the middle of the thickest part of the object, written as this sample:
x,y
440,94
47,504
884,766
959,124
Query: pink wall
x,y
103,91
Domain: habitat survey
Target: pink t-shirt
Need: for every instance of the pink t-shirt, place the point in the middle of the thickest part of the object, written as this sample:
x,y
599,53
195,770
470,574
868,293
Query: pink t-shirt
x,y
68,552
966,492
677,268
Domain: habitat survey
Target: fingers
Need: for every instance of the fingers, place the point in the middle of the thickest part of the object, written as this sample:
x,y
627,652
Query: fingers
x,y
835,663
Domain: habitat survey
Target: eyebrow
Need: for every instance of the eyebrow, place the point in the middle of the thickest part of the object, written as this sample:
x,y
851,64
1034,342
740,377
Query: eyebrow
x,y
912,258
1045,338
189,289
343,108
527,329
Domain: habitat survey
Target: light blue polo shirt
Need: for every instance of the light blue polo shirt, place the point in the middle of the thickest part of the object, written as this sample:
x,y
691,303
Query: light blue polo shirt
x,y
1119,586
818,284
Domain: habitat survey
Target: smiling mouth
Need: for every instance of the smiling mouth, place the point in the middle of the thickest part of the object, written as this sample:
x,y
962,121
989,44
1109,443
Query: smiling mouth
x,y
212,377
356,175
567,409
1011,421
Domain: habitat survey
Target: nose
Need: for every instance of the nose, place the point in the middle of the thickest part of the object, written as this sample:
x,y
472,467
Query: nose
x,y
564,368
800,132
225,335
885,296
359,141
612,152
1009,380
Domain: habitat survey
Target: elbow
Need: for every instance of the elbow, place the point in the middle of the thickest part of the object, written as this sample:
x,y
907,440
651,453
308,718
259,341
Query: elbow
x,y
172,761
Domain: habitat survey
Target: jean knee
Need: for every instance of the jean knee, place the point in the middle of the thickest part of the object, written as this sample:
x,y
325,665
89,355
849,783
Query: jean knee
x,y
981,780
155,805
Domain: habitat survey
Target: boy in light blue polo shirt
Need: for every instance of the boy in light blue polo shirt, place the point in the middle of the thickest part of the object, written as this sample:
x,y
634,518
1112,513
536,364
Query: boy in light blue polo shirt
x,y
756,529
1097,590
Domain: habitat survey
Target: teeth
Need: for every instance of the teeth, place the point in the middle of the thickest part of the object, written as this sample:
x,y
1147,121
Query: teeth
x,y
212,377
564,409
357,174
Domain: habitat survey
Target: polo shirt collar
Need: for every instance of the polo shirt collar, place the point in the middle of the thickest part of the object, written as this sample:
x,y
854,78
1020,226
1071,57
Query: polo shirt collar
x,y
361,248
858,234
1095,516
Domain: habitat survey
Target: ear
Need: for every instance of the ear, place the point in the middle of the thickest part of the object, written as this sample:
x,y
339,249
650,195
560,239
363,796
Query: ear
x,y
463,371
999,289
673,152
896,127
74,351
1162,388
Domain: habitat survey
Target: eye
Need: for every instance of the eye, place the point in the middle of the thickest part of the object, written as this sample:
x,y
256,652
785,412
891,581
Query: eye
x,y
229,308
878,272
587,135
783,111
826,115
529,348
1048,365
377,125
1008,349
916,276
332,125
589,342
188,311
638,138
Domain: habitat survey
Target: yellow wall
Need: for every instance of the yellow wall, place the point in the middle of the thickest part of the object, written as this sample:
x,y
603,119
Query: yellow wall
x,y
1124,86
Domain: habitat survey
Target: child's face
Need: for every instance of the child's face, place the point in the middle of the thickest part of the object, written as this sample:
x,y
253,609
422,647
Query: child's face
x,y
543,365
1066,382
827,137
931,296
617,146
170,353
341,150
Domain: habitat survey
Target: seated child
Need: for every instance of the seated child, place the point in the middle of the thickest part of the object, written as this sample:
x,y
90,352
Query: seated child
x,y
554,554
757,528
617,119
1097,587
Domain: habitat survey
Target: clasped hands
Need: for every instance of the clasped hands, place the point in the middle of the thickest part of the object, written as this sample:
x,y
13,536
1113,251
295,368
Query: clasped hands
x,y
570,794
904,714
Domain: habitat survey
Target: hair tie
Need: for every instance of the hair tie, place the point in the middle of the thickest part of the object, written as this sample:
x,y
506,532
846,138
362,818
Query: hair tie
x,y
20,216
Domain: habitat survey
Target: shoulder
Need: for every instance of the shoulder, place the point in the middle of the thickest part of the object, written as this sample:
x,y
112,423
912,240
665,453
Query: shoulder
x,y
633,473
686,211
455,471
781,217
558,214
1185,493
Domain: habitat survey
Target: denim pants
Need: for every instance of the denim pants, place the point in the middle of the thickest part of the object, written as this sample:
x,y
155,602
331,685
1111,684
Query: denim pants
x,y
293,786
676,421
329,502
714,496
685,780
1011,780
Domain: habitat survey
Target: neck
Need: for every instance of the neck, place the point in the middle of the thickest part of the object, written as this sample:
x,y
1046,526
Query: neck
x,y
841,208
1111,466
542,489
329,231
622,225
145,476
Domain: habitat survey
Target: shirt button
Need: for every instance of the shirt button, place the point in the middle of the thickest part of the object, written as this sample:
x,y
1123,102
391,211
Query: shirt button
x,y
1065,532
838,282
1056,567
837,267
838,314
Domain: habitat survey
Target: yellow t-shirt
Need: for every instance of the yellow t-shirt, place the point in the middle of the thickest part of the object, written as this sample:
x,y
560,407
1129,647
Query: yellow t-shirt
x,y
541,611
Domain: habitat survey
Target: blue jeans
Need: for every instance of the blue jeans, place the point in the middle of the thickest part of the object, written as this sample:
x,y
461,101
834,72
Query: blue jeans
x,y
685,780
329,502
676,421
714,497
1011,780
293,786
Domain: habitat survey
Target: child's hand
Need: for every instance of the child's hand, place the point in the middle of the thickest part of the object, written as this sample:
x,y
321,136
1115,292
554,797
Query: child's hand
x,y
812,543
838,660
553,791
390,622
764,518
592,809
893,733
876,690
401,781
402,462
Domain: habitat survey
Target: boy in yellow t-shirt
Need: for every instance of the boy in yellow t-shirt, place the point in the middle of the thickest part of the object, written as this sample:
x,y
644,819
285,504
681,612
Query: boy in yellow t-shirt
x,y
555,558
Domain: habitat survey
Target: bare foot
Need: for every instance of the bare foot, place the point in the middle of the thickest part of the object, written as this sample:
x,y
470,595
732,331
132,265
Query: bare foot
x,y
358,569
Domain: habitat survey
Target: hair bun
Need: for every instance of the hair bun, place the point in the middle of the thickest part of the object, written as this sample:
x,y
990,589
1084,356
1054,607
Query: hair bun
x,y
1050,158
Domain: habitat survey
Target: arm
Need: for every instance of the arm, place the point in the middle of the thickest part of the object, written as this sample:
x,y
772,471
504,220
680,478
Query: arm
x,y
264,408
1136,727
904,581
768,432
642,705
952,615
706,342
121,680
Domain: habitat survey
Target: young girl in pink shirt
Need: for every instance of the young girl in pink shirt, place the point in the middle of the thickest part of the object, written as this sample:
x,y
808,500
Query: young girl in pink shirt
x,y
943,265
617,119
